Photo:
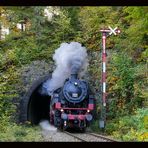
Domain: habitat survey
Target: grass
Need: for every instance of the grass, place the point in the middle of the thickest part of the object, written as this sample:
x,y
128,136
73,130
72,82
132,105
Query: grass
x,y
20,133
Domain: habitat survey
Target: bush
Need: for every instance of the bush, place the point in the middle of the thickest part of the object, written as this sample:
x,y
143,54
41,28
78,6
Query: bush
x,y
122,98
11,132
130,128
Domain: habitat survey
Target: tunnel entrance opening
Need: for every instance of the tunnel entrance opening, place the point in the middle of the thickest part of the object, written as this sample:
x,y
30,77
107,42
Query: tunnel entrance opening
x,y
38,107
34,107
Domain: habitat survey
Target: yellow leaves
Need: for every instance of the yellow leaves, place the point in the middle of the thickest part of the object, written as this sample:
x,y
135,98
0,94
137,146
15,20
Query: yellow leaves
x,y
121,103
91,46
146,121
144,94
98,109
136,86
113,79
130,128
110,89
115,134
10,54
133,131
112,82
3,17
5,76
28,25
114,69
15,29
143,136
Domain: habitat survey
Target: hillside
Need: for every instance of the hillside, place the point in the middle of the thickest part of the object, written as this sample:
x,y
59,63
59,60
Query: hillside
x,y
26,56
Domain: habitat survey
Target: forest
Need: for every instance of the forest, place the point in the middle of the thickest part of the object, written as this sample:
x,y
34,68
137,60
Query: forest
x,y
33,33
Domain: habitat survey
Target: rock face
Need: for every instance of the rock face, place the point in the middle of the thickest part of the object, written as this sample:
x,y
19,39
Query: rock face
x,y
31,77
34,71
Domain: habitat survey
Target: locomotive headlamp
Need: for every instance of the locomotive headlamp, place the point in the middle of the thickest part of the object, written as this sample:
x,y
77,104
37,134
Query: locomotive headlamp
x,y
65,123
62,110
76,83
88,110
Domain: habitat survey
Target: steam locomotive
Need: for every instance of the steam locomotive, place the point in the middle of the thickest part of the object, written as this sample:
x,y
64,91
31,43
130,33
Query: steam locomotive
x,y
73,105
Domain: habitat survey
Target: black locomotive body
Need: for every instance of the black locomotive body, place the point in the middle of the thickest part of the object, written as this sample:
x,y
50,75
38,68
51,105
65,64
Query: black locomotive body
x,y
73,105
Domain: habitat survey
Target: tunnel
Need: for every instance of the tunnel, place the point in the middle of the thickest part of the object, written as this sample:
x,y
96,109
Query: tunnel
x,y
34,107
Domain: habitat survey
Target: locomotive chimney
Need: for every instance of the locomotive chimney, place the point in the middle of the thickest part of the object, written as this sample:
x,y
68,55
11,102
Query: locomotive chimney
x,y
75,67
74,72
74,76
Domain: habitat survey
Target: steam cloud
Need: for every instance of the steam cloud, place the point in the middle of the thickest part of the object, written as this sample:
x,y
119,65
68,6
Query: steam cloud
x,y
69,58
45,125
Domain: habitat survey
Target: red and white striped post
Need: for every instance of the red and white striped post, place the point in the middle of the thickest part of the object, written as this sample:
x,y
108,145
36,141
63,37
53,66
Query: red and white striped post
x,y
104,69
105,33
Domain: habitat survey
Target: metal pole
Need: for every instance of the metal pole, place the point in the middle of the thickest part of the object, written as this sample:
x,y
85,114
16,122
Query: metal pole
x,y
103,81
109,31
104,69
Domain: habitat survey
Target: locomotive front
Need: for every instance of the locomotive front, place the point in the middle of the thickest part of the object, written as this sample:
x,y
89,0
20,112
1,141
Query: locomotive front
x,y
72,105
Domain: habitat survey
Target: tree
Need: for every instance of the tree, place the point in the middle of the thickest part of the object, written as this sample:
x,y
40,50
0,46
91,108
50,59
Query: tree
x,y
135,42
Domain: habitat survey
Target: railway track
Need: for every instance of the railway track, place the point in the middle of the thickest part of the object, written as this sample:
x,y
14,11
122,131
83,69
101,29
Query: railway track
x,y
107,139
90,137
75,136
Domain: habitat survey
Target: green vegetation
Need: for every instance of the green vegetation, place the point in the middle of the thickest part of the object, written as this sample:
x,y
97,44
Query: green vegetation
x,y
11,132
129,128
127,99
122,81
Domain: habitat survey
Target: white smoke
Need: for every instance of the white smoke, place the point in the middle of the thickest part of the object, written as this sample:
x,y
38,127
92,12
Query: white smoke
x,y
45,125
68,57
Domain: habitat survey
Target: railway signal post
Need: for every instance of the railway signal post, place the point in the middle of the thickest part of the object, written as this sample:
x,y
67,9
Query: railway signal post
x,y
105,34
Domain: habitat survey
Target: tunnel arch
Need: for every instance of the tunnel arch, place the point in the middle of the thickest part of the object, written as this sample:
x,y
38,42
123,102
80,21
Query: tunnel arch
x,y
34,107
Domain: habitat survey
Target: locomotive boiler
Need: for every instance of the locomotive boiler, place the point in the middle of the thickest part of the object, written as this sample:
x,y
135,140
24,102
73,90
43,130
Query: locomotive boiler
x,y
72,105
